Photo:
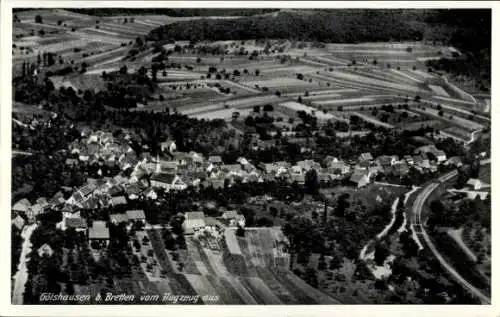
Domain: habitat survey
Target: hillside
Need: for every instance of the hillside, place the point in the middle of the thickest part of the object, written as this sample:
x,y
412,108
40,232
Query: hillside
x,y
347,26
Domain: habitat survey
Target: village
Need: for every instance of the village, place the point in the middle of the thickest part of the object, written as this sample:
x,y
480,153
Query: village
x,y
262,166
141,177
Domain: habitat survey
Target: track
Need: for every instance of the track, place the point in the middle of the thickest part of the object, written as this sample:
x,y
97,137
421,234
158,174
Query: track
x,y
418,226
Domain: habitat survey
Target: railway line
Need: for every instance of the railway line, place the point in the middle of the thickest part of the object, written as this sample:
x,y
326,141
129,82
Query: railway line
x,y
418,227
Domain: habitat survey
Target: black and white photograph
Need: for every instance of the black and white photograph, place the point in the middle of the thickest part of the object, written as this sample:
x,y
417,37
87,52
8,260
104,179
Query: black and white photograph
x,y
248,155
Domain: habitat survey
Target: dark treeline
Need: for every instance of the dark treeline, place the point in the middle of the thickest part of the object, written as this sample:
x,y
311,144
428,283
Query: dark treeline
x,y
348,26
180,12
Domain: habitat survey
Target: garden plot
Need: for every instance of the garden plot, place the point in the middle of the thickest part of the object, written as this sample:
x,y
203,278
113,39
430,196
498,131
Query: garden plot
x,y
407,75
372,82
276,82
105,56
371,119
464,123
331,60
464,135
295,106
224,114
436,124
439,90
345,101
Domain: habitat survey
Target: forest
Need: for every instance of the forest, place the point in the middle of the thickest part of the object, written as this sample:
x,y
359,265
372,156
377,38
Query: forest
x,y
341,26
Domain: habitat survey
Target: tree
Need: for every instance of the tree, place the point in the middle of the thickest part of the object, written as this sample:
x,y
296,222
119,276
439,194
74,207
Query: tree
x,y
381,253
236,73
311,181
123,70
274,211
268,108
300,76
240,232
139,42
257,72
38,19
256,109
335,263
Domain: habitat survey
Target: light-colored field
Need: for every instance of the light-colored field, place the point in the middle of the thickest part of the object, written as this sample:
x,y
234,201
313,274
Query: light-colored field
x,y
373,120
464,123
439,90
295,106
277,82
336,102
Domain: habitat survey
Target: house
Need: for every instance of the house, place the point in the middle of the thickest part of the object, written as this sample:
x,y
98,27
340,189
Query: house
x,y
360,178
194,220
409,159
45,250
196,158
299,178
433,166
168,146
431,149
215,159
234,169
339,167
69,210
229,214
150,193
454,161
168,181
214,182
127,161
71,162
136,215
476,184
400,169
387,160
22,205
308,165
57,199
86,190
329,160
365,157
90,203
234,218
115,190
275,167
243,161
18,222
34,211
133,190
118,218
375,169
77,223
181,158
98,233
118,200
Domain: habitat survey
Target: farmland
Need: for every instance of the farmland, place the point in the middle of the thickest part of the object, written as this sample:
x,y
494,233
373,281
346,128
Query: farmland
x,y
247,270
329,78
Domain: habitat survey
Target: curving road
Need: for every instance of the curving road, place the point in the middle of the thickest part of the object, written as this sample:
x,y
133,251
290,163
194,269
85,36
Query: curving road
x,y
417,223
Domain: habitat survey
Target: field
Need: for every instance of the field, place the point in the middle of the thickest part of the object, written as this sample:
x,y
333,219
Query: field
x,y
355,77
248,270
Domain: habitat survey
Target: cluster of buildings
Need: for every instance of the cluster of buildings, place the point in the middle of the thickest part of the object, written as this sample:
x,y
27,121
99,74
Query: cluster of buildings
x,y
178,170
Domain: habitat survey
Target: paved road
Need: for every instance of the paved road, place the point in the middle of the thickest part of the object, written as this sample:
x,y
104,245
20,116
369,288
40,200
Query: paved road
x,y
21,275
418,222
